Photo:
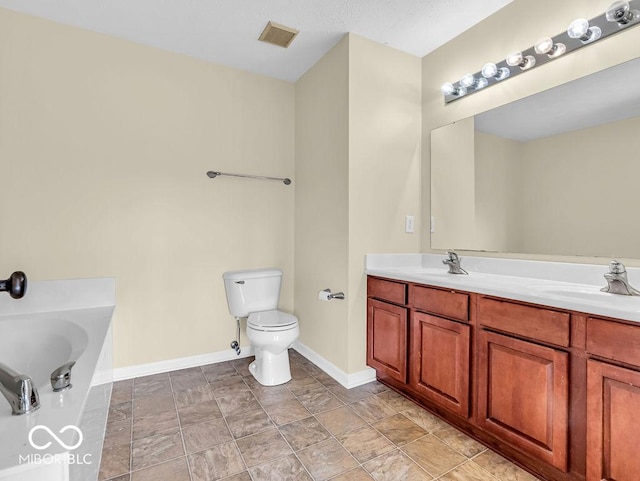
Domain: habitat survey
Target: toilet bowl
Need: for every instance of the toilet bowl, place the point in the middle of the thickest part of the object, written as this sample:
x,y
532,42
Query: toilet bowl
x,y
254,294
271,333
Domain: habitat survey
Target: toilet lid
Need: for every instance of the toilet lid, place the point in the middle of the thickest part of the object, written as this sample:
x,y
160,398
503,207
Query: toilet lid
x,y
271,320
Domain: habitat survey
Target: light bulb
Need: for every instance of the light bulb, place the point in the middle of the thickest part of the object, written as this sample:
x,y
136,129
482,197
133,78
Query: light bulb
x,y
481,83
557,50
447,88
621,13
546,45
514,59
489,70
580,29
503,73
468,80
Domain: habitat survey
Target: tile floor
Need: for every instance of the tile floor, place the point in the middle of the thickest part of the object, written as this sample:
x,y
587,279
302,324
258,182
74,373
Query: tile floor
x,y
216,422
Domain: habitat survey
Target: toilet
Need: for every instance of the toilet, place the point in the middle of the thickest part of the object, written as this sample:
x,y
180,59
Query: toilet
x,y
254,294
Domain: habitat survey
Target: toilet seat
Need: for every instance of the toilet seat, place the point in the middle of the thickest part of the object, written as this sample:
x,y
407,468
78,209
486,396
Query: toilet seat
x,y
271,321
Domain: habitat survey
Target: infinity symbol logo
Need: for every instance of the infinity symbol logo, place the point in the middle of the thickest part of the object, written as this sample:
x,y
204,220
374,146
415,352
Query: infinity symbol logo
x,y
52,434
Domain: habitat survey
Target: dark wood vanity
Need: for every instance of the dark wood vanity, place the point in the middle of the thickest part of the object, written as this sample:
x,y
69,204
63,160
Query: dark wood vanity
x,y
555,391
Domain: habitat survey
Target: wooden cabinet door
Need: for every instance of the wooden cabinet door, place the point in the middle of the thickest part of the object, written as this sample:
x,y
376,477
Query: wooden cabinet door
x,y
613,423
523,395
387,339
440,361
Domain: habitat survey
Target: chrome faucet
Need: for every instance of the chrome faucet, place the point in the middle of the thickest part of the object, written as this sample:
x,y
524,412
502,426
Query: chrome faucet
x,y
617,280
453,261
19,390
61,377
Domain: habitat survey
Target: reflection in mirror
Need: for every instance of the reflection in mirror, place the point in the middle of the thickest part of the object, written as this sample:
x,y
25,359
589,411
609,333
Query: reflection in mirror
x,y
556,173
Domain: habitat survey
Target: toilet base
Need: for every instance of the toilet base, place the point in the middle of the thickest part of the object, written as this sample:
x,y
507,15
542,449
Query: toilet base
x,y
271,369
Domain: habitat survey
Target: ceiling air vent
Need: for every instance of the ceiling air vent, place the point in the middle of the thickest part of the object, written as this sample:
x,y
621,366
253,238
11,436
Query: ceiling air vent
x,y
278,34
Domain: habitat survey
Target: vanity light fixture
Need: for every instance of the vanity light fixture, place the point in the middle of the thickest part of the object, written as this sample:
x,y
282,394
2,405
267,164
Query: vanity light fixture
x,y
619,16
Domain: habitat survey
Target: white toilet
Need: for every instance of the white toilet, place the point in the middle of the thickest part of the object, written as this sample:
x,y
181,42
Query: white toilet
x,y
254,294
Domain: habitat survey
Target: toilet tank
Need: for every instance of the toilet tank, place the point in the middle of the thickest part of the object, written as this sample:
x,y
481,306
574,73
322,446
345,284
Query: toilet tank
x,y
252,290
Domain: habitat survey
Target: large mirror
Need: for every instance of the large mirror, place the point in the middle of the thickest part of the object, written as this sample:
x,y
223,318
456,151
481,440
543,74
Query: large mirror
x,y
556,173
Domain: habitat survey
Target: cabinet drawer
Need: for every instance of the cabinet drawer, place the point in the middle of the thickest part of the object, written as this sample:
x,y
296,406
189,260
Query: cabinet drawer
x,y
542,324
613,340
441,302
391,291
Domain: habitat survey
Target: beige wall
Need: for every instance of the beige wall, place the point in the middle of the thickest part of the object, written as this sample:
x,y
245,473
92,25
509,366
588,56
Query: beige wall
x,y
322,202
104,145
358,175
579,189
384,167
453,185
515,27
498,202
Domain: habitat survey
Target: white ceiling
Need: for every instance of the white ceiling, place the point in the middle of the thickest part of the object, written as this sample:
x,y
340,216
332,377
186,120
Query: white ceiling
x,y
226,31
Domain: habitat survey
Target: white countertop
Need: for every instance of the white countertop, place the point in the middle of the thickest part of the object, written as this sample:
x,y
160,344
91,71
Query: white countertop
x,y
563,285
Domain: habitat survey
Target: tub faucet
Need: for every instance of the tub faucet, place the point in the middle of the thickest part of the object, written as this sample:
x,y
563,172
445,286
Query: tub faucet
x,y
453,261
617,280
19,390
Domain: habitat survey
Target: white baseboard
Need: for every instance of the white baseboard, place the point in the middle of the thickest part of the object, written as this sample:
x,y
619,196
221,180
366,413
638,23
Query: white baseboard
x,y
129,372
347,380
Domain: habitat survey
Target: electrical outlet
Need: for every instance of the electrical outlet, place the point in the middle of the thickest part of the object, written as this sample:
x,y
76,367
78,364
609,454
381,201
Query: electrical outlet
x,y
408,224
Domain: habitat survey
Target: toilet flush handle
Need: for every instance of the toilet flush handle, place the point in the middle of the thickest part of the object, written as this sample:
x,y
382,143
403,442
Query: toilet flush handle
x,y
239,282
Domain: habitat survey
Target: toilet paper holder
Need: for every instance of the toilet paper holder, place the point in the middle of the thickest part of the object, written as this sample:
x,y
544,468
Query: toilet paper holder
x,y
327,295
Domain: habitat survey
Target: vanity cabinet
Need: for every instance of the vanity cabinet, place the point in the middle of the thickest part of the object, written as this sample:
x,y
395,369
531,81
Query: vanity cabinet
x,y
387,328
556,391
613,401
440,347
523,385
523,395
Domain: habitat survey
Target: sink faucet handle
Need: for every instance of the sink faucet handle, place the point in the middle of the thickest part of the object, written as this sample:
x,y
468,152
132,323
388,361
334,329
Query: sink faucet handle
x,y
61,377
616,267
452,256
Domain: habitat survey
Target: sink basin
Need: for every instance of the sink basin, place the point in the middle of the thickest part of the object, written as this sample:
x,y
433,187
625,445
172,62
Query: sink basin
x,y
583,293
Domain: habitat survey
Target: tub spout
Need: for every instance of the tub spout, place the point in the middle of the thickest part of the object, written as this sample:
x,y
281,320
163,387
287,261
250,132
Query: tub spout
x,y
19,390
